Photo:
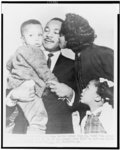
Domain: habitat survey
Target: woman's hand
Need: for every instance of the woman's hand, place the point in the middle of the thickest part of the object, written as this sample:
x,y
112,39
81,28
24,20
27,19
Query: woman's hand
x,y
25,92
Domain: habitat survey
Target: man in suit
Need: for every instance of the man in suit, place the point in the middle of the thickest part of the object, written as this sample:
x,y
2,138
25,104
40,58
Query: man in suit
x,y
59,110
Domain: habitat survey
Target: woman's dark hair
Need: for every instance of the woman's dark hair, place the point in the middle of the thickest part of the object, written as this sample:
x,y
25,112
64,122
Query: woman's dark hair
x,y
77,31
104,91
28,22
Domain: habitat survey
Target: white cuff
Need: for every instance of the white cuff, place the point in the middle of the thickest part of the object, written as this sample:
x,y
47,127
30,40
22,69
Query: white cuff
x,y
9,101
70,102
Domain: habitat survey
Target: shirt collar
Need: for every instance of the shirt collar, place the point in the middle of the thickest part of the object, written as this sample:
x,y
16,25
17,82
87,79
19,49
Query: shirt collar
x,y
100,109
94,112
56,54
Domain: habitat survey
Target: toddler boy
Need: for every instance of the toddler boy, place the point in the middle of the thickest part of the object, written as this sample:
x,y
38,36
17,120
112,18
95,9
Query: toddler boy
x,y
29,63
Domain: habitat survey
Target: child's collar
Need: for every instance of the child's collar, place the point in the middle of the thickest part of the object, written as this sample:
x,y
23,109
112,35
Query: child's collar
x,y
98,110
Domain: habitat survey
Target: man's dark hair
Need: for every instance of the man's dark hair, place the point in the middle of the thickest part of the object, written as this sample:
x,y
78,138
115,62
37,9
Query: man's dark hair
x,y
28,22
57,19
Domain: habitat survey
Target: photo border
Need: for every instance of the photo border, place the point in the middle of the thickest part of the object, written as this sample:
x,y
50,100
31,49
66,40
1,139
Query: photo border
x,y
118,65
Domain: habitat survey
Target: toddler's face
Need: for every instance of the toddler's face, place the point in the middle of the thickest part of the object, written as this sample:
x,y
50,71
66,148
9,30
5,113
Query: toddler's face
x,y
33,35
89,94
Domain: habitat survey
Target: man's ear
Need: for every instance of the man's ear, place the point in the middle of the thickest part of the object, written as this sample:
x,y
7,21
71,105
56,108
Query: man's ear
x,y
98,98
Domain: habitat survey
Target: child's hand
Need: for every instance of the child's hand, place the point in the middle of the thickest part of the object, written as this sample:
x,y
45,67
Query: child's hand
x,y
49,84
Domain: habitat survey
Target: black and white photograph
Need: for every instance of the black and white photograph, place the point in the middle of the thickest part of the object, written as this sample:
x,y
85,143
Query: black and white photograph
x,y
59,74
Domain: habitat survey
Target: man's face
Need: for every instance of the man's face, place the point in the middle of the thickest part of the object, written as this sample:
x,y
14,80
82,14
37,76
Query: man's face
x,y
51,36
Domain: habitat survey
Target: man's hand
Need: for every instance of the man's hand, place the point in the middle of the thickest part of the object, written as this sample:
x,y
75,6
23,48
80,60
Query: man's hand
x,y
61,89
25,92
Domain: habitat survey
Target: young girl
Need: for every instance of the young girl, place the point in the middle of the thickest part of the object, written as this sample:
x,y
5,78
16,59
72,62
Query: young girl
x,y
99,97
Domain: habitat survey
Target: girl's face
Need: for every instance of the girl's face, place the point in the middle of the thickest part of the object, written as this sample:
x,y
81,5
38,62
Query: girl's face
x,y
89,94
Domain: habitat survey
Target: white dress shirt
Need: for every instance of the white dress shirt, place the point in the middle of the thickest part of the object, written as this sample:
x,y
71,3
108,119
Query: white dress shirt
x,y
54,58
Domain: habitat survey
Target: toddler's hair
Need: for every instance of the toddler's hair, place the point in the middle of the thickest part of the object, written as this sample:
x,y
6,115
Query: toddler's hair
x,y
105,91
28,22
77,31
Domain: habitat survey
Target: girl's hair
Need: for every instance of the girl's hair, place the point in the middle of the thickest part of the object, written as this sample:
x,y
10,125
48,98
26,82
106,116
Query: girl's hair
x,y
28,22
77,31
104,91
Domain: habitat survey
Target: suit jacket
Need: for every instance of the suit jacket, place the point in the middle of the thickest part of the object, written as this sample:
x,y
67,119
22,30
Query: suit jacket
x,y
59,113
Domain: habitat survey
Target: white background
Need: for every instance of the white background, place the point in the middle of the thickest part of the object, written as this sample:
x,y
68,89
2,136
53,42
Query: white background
x,y
102,17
